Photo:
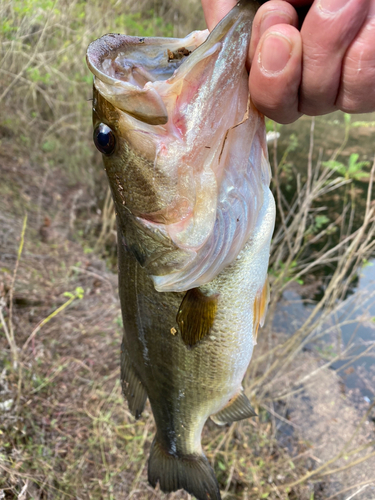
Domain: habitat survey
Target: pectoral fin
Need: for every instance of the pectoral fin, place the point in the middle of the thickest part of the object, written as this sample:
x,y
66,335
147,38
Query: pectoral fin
x,y
260,308
132,387
238,408
196,316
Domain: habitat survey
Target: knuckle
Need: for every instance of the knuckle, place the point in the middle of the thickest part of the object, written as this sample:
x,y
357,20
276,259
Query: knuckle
x,y
277,106
356,101
357,91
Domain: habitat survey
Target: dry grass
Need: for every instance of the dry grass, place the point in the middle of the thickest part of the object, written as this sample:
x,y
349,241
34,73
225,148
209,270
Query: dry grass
x,y
65,430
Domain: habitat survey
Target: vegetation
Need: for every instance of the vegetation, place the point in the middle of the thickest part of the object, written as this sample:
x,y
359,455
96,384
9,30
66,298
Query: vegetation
x,y
65,431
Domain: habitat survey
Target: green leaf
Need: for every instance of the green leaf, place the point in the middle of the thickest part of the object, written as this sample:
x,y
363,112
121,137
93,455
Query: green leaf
x,y
79,292
321,220
335,165
331,230
366,263
361,175
363,124
353,160
355,165
49,146
293,142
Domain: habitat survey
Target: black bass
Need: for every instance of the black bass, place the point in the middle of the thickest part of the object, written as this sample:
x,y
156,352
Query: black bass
x,y
186,157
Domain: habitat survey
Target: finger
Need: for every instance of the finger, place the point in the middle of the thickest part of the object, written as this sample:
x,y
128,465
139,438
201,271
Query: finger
x,y
357,90
215,10
328,30
275,74
269,14
300,3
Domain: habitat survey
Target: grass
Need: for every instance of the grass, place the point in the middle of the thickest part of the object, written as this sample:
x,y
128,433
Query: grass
x,y
65,431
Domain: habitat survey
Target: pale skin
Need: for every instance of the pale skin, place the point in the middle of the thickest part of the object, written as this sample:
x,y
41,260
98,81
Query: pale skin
x,y
325,64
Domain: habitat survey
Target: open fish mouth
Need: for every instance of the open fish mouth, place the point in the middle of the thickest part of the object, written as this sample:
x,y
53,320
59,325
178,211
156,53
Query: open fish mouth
x,y
191,161
126,67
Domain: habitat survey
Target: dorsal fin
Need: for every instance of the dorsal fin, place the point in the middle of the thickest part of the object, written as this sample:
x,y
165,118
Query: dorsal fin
x,y
196,315
132,387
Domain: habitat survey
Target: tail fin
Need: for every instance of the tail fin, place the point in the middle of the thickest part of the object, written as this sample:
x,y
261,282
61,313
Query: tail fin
x,y
192,473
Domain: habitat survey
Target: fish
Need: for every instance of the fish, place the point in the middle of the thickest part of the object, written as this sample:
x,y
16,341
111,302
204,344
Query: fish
x,y
185,152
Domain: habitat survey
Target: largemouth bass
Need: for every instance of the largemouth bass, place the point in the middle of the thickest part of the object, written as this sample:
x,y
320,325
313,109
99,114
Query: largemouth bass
x,y
186,157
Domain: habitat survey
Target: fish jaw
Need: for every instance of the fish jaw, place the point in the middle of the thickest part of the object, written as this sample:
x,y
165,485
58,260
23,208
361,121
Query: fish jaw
x,y
201,157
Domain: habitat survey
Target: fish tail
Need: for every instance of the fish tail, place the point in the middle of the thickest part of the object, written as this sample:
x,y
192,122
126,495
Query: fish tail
x,y
193,473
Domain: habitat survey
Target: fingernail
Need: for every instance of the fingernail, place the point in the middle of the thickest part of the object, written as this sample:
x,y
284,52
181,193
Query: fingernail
x,y
332,6
272,18
275,53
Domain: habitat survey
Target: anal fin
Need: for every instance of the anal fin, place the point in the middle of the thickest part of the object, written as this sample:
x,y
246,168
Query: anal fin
x,y
132,387
238,408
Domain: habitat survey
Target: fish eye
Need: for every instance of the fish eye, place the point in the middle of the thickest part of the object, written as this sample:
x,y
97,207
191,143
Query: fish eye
x,y
104,139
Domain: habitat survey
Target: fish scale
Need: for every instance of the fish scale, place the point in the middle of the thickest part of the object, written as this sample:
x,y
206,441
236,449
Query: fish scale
x,y
193,273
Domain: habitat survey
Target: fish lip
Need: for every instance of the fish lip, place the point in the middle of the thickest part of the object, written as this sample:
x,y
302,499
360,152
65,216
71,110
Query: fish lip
x,y
101,48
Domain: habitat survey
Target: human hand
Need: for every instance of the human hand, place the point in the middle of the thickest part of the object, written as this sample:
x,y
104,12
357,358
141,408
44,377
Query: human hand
x,y
328,64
